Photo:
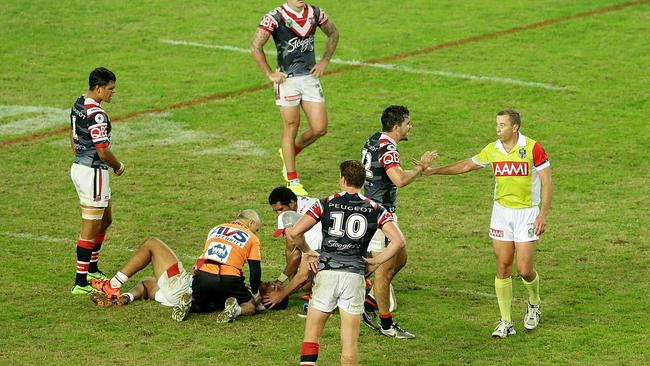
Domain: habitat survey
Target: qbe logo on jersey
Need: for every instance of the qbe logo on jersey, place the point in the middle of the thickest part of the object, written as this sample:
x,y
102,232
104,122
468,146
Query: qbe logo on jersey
x,y
98,131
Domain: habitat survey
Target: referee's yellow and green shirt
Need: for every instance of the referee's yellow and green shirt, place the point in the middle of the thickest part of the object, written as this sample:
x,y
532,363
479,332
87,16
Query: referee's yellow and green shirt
x,y
516,173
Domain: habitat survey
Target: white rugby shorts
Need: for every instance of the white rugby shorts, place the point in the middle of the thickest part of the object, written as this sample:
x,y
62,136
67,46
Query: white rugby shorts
x,y
378,241
296,89
343,289
171,289
513,224
92,184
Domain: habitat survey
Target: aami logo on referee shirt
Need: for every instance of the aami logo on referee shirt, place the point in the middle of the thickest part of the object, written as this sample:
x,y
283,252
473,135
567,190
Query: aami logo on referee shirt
x,y
510,168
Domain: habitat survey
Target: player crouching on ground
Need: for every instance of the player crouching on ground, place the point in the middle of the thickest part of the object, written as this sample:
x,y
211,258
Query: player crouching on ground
x,y
170,287
290,209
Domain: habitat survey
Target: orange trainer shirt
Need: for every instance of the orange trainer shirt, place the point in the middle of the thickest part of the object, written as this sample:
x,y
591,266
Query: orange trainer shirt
x,y
227,248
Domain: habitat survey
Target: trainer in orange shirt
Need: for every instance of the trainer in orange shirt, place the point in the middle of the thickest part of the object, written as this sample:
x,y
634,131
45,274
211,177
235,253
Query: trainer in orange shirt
x,y
219,281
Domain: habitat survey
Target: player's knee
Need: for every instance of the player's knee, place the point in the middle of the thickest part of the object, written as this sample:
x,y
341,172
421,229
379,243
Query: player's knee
x,y
504,271
320,132
526,273
151,241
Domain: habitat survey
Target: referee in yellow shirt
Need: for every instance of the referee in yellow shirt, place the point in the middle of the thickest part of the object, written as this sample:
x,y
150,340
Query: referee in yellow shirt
x,y
522,199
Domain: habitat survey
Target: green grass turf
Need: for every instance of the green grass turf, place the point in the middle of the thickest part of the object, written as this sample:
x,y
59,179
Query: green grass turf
x,y
192,168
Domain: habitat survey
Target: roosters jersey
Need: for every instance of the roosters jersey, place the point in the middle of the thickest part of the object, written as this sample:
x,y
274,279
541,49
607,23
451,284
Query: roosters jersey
x,y
517,182
378,156
91,128
349,222
313,236
227,248
293,34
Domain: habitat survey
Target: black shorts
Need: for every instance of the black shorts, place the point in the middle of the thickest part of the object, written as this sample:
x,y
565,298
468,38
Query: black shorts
x,y
210,291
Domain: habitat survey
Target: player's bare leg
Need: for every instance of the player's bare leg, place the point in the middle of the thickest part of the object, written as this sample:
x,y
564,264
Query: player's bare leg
x,y
383,277
145,289
317,117
349,336
154,251
314,326
525,253
291,121
248,308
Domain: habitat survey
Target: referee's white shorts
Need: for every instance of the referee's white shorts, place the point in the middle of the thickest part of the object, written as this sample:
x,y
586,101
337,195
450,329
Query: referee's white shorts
x,y
343,289
92,184
296,89
513,224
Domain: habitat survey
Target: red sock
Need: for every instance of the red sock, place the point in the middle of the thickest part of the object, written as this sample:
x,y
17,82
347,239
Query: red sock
x,y
308,353
292,175
99,240
297,149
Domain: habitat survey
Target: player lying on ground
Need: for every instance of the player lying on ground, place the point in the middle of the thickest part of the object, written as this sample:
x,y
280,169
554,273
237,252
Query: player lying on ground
x,y
170,285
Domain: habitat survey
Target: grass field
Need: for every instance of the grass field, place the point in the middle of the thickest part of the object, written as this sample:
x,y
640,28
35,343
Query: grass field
x,y
197,128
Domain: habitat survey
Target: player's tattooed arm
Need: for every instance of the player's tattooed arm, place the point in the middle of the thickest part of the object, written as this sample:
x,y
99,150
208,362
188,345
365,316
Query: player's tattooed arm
x,y
332,40
259,40
257,49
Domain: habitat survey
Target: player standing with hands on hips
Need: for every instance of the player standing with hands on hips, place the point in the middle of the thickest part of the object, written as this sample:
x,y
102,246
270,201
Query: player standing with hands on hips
x,y
523,181
90,140
297,78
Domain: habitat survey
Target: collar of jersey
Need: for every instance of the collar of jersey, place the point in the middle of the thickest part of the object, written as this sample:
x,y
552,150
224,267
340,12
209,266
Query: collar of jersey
x,y
90,101
521,141
383,135
288,9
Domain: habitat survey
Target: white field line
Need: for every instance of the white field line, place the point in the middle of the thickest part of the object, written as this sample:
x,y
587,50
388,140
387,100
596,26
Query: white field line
x,y
392,67
239,147
50,239
35,119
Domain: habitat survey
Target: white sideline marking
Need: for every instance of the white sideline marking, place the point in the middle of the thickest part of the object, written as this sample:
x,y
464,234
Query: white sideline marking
x,y
44,238
240,147
46,117
157,129
394,67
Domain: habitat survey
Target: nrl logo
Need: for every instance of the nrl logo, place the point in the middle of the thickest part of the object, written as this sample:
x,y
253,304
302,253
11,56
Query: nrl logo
x,y
522,153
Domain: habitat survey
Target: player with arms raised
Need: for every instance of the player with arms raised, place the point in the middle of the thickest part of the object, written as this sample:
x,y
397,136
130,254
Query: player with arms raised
x,y
349,220
384,174
297,79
